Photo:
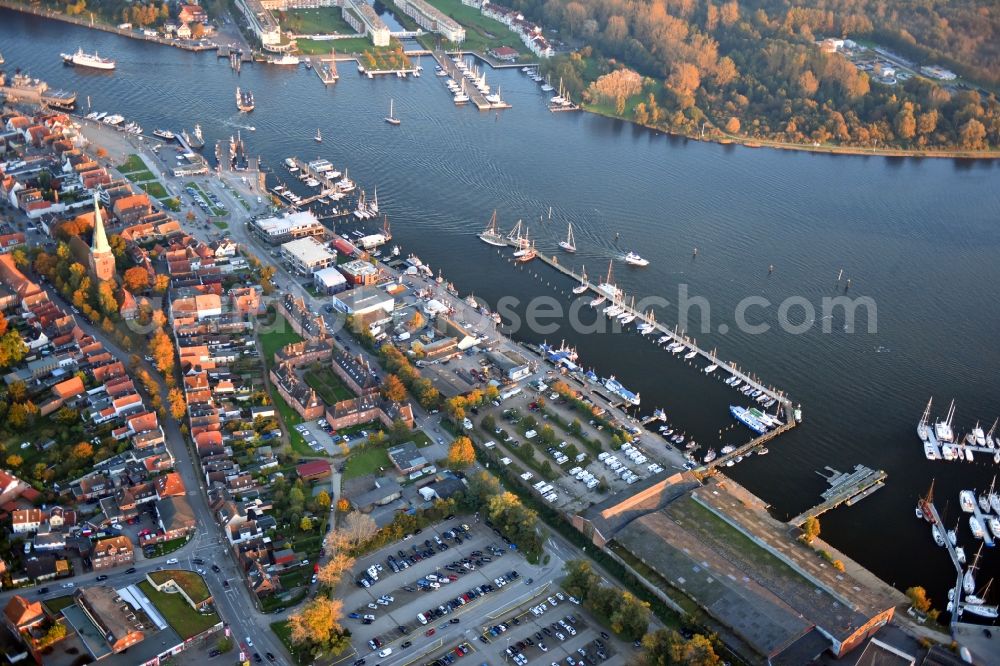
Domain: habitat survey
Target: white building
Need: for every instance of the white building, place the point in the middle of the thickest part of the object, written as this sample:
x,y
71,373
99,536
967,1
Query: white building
x,y
329,280
288,227
433,19
262,22
308,255
362,17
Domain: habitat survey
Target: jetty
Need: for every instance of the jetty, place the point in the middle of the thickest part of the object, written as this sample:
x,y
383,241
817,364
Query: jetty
x,y
984,524
326,68
475,96
643,317
845,488
748,448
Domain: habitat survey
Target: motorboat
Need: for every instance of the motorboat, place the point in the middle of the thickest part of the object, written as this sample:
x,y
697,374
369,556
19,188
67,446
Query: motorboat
x,y
633,259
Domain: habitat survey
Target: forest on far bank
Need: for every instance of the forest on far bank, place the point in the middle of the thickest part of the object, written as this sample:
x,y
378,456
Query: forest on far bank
x,y
752,67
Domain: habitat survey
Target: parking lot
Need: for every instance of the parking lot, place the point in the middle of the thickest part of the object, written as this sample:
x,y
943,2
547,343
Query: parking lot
x,y
437,593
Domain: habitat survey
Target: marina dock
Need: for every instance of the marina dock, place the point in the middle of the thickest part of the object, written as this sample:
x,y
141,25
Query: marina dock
x,y
748,448
475,97
845,488
983,522
640,317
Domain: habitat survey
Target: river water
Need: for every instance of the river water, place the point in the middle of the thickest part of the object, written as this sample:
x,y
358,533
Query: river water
x,y
920,238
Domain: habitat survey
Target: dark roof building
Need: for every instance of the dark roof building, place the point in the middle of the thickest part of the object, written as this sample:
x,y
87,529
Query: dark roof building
x,y
407,458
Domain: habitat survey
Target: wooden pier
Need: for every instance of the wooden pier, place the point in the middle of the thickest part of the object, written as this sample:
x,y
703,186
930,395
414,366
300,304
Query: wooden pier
x,y
845,487
641,317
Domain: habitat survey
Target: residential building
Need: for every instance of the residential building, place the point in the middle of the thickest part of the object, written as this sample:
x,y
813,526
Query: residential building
x,y
114,552
362,17
26,520
307,255
313,470
262,23
433,19
407,458
20,614
175,517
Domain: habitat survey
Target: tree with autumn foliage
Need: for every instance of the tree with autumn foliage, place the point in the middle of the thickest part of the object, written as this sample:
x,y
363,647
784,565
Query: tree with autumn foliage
x,y
393,389
136,279
461,454
178,406
316,626
331,573
162,351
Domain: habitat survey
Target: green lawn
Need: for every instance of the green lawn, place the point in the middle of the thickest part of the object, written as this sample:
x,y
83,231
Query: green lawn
x,y
328,385
142,175
56,604
154,189
178,614
350,45
220,224
283,633
366,461
189,581
168,546
421,439
172,203
133,163
281,334
481,33
325,20
291,418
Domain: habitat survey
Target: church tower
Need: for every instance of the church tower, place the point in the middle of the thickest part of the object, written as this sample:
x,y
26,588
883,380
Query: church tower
x,y
102,260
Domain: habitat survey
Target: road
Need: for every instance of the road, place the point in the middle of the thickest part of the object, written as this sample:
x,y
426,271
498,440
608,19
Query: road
x,y
234,604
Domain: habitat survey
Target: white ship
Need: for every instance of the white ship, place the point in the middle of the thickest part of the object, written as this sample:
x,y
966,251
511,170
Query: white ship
x,y
81,59
633,259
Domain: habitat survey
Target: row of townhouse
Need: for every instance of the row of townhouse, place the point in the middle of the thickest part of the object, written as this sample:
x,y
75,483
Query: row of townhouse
x,y
528,31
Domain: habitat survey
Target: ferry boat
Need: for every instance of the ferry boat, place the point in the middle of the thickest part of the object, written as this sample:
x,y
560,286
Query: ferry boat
x,y
93,61
491,235
166,135
244,100
284,59
618,389
22,83
633,259
747,419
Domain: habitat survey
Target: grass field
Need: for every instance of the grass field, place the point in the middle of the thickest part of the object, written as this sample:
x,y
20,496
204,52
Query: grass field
x,y
291,418
154,189
350,45
366,461
328,385
168,546
324,20
178,614
173,203
56,604
273,340
283,633
132,164
481,33
193,585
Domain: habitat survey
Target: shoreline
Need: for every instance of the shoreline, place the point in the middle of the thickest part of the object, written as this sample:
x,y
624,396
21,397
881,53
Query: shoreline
x,y
857,151
82,22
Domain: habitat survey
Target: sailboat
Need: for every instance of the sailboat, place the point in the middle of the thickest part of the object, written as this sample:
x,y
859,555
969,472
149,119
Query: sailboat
x,y
584,285
318,137
391,119
491,235
570,243
969,579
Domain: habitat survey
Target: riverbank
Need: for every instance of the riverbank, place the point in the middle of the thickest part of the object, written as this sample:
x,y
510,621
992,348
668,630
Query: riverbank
x,y
201,45
750,142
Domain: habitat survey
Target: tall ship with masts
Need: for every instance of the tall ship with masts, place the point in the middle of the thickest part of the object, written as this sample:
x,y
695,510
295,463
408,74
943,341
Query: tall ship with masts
x,y
569,244
244,100
491,235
